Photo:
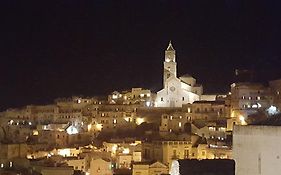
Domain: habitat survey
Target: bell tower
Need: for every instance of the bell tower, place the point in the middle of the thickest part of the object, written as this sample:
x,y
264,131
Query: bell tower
x,y
170,65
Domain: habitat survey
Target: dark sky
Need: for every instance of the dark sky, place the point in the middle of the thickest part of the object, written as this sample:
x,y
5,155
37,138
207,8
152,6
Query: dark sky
x,y
53,49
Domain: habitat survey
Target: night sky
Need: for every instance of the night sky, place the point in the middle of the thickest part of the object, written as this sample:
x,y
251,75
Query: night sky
x,y
61,48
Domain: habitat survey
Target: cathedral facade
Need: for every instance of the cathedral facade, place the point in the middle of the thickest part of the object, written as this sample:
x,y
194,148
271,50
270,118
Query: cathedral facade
x,y
176,91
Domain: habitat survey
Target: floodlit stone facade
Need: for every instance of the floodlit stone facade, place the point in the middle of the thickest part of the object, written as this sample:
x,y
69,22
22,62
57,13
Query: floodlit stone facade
x,y
176,91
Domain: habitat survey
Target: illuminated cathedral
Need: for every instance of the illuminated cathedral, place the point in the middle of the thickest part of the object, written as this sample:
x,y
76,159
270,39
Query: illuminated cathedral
x,y
176,91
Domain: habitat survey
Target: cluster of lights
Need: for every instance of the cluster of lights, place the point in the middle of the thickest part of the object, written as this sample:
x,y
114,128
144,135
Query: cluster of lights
x,y
217,146
12,122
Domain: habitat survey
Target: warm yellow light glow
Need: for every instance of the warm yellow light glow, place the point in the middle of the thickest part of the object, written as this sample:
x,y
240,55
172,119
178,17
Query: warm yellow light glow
x,y
148,94
139,121
114,148
89,127
35,132
135,143
242,120
188,110
126,151
127,119
232,114
114,96
179,124
141,95
64,152
114,121
99,127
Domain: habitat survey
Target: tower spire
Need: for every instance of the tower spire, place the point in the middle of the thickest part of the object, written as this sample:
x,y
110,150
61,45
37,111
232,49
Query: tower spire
x,y
170,46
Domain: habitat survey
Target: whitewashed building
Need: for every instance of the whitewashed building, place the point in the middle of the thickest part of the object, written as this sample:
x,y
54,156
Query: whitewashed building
x,y
256,149
176,91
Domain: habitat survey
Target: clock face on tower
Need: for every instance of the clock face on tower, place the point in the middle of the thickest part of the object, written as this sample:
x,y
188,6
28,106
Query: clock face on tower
x,y
172,88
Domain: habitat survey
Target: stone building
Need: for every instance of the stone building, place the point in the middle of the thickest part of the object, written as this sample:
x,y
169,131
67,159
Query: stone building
x,y
246,99
150,168
275,89
140,96
100,167
176,91
256,148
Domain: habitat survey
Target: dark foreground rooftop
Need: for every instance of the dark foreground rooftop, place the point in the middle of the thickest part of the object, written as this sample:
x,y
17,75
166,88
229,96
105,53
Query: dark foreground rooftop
x,y
274,120
207,167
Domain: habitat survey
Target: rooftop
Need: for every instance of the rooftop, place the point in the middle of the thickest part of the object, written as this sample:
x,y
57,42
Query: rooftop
x,y
274,120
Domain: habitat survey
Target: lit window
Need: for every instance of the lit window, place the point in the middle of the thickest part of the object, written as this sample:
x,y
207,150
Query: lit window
x,y
243,97
258,97
171,117
11,164
250,98
114,121
180,124
212,128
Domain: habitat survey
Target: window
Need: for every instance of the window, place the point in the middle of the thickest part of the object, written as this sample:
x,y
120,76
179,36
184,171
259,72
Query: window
x,y
250,98
174,153
258,97
243,97
182,98
186,153
203,153
162,99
